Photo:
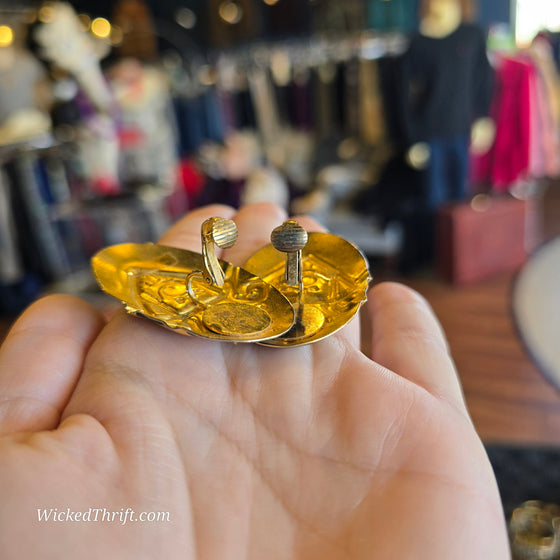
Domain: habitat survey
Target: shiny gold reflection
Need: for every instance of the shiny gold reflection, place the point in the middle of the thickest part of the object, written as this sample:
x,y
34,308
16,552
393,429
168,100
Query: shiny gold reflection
x,y
168,285
335,280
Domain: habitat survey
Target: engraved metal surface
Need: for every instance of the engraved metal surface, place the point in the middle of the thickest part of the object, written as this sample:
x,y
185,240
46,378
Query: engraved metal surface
x,y
335,282
534,530
151,280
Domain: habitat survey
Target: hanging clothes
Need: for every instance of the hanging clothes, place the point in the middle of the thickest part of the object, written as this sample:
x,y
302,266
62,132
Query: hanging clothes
x,y
226,108
20,75
553,38
323,78
372,121
11,268
284,102
340,100
526,144
41,247
392,86
508,160
331,97
548,99
245,111
352,97
200,118
262,95
303,102
448,83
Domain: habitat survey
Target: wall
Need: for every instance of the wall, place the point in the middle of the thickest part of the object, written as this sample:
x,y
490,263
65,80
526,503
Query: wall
x,y
495,11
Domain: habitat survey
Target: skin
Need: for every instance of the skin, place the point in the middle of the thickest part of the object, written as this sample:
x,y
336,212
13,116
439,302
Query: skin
x,y
318,452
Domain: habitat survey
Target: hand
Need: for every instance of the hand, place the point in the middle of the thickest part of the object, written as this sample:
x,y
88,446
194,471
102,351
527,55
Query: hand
x,y
303,453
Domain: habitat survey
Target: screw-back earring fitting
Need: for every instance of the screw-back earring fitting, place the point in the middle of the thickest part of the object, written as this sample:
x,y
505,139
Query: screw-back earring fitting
x,y
297,290
194,293
220,232
324,276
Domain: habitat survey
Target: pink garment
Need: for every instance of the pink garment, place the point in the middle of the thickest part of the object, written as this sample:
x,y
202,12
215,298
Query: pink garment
x,y
526,143
509,158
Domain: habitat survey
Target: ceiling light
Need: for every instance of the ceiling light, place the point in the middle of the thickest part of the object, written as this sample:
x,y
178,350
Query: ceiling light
x,y
6,36
230,12
101,28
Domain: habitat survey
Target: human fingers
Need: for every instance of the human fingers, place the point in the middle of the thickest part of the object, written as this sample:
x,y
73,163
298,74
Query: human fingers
x,y
41,361
309,223
123,331
135,347
185,234
255,223
408,339
134,358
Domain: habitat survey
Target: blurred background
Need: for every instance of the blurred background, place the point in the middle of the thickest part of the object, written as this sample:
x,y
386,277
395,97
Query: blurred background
x,y
425,131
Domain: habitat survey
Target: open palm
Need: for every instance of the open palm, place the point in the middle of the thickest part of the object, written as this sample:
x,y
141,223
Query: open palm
x,y
315,452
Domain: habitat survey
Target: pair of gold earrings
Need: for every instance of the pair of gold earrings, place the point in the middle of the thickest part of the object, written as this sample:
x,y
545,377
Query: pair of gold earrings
x,y
299,289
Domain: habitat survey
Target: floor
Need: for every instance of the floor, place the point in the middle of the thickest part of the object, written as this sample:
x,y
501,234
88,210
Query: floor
x,y
508,398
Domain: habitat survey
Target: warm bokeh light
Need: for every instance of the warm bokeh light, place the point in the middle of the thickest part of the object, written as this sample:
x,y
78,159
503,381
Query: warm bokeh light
x,y
481,203
46,13
348,148
270,2
85,21
230,12
6,36
101,28
281,67
117,36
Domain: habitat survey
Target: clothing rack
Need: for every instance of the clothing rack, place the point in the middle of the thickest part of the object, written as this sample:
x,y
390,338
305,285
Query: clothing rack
x,y
258,78
200,72
526,112
51,224
38,143
309,53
